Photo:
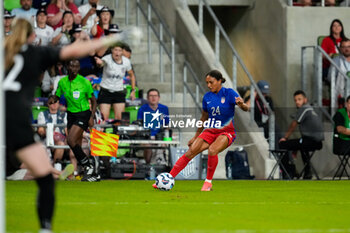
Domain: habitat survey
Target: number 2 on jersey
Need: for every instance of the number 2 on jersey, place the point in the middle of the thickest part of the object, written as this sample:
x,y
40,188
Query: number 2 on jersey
x,y
10,83
215,111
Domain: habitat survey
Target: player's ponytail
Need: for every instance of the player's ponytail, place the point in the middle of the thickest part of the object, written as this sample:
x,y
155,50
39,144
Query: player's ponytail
x,y
21,29
217,75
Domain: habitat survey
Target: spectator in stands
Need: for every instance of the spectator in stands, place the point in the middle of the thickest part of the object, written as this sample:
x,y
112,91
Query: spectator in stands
x,y
127,51
331,43
25,11
341,136
53,115
112,89
63,35
329,2
113,28
37,4
87,64
261,114
306,2
343,62
8,17
79,3
88,14
44,32
102,22
311,129
52,76
56,10
153,107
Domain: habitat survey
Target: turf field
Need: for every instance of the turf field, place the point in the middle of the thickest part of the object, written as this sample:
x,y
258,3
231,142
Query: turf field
x,y
234,206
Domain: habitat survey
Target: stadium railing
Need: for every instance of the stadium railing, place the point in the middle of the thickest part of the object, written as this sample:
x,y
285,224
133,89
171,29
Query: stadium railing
x,y
237,71
316,83
160,34
49,142
323,3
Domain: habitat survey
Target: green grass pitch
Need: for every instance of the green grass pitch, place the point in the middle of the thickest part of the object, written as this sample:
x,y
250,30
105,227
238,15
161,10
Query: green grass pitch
x,y
121,206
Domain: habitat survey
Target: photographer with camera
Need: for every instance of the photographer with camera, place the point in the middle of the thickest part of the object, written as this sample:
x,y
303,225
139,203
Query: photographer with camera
x,y
157,111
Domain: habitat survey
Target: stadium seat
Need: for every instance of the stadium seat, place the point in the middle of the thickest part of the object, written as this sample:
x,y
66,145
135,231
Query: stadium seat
x,y
132,110
320,39
128,91
308,155
344,161
278,155
36,110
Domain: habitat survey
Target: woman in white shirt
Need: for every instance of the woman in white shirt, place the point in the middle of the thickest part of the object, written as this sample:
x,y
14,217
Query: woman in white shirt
x,y
112,91
62,35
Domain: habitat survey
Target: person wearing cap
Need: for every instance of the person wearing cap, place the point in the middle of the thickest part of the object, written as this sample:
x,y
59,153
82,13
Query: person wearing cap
x,y
88,14
55,116
62,35
261,114
44,33
25,11
8,17
102,23
57,8
77,33
37,4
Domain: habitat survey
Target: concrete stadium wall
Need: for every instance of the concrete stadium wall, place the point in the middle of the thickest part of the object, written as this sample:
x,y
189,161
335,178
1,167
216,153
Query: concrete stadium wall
x,y
269,37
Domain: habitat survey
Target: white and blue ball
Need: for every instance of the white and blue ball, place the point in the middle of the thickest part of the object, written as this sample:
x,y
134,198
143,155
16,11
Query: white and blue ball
x,y
165,181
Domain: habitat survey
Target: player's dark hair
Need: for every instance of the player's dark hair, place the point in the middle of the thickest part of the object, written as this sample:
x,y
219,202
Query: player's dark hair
x,y
347,98
21,30
127,48
152,89
118,44
299,92
217,75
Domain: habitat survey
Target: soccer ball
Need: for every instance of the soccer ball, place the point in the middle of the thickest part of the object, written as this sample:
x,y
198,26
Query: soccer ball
x,y
165,181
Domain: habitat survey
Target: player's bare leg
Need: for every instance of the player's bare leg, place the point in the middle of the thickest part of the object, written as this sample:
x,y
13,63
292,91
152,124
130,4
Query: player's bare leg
x,y
215,148
36,160
197,147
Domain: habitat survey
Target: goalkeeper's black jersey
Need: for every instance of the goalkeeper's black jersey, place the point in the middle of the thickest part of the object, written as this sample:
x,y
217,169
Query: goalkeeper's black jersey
x,y
19,85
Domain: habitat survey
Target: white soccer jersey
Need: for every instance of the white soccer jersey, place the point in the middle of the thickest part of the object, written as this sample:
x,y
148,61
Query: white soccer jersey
x,y
84,9
43,35
113,73
65,38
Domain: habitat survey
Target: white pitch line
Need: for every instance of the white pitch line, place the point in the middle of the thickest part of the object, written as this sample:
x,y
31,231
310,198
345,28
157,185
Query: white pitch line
x,y
307,230
201,203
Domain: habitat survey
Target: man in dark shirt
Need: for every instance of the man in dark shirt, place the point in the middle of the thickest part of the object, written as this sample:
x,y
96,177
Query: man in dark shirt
x,y
311,129
341,137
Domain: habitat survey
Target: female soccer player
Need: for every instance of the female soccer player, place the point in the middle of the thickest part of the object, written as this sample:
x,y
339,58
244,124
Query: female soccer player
x,y
78,91
218,107
23,65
